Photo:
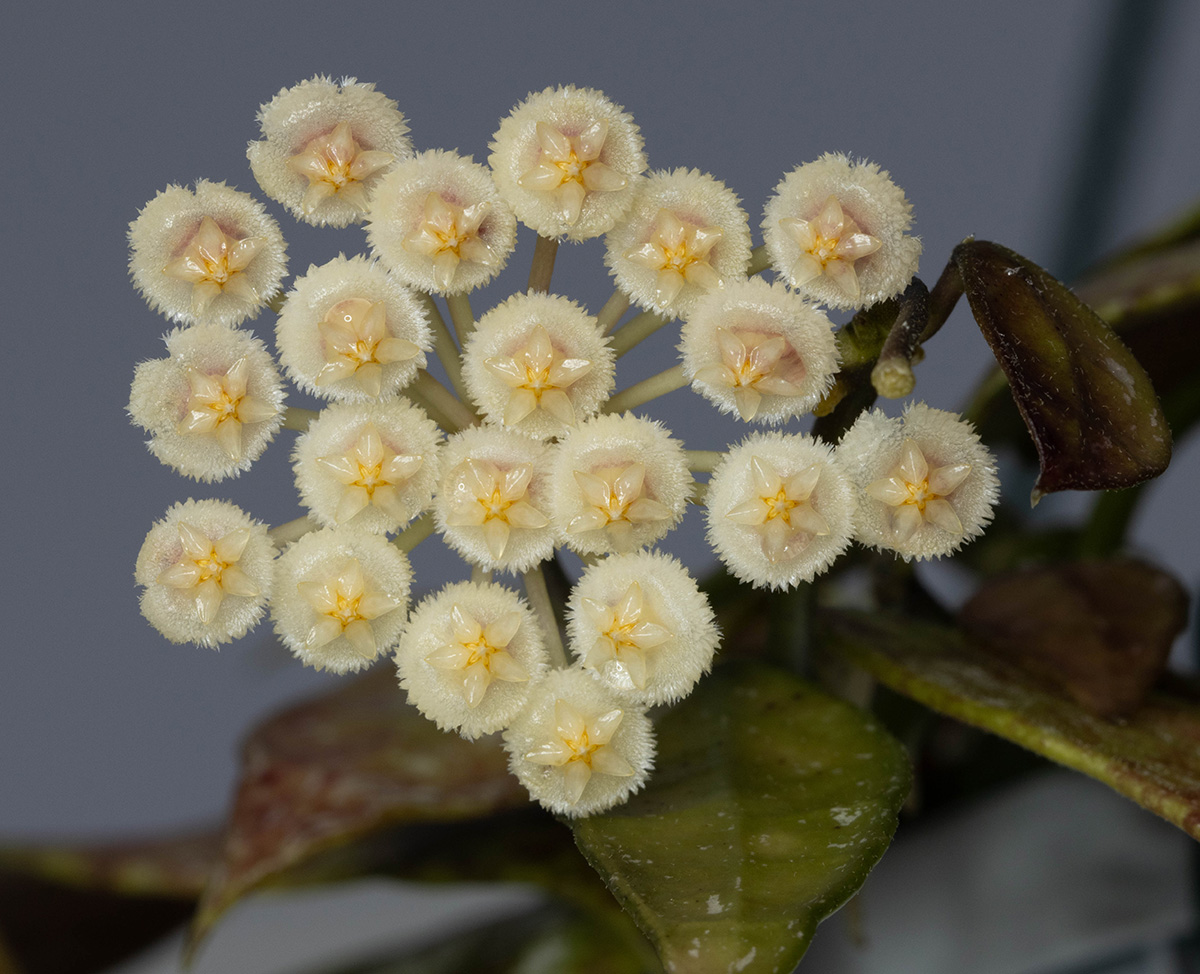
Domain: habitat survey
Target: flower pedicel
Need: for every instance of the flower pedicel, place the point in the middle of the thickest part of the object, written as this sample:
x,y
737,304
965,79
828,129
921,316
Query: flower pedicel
x,y
526,450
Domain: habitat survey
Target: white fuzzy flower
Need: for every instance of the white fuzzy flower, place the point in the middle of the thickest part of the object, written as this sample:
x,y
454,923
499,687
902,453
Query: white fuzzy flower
x,y
469,656
206,571
567,159
341,596
212,406
350,331
325,146
492,502
836,231
213,255
759,351
685,235
577,747
927,484
538,364
642,625
438,223
617,483
372,465
780,510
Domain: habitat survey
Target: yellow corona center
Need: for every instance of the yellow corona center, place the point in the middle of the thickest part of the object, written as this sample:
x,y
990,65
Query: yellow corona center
x,y
580,747
830,243
482,495
207,569
214,262
538,375
335,165
781,509
569,168
218,405
919,493
449,234
357,344
679,253
478,654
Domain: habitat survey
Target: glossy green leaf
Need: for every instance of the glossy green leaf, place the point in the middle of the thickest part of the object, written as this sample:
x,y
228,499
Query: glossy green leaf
x,y
1152,757
339,767
770,803
1092,411
1100,631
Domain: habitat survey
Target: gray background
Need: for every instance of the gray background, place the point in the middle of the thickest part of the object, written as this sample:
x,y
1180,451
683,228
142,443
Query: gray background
x,y
976,109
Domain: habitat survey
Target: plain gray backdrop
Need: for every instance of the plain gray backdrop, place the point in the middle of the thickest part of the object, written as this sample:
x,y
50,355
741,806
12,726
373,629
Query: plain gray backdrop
x,y
976,109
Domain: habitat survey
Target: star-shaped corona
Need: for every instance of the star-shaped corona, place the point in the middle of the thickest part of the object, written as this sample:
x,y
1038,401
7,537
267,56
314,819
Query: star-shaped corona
x,y
484,496
208,569
614,500
830,243
624,633
477,653
336,165
678,253
538,375
753,365
918,493
213,263
219,406
580,747
370,473
449,234
357,344
781,509
345,606
569,167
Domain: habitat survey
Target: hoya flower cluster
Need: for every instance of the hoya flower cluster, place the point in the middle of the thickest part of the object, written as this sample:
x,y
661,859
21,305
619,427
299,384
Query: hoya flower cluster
x,y
526,449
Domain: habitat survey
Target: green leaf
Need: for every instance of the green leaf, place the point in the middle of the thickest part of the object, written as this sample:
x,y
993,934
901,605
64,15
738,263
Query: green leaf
x,y
1100,631
1153,757
342,766
1091,409
770,804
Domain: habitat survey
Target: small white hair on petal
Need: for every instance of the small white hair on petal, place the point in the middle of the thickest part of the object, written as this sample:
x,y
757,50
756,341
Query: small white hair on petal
x,y
312,109
172,220
586,704
666,613
475,463
870,199
446,622
804,473
171,605
163,388
327,455
400,210
305,352
585,123
733,356
505,343
878,449
341,598
610,450
699,203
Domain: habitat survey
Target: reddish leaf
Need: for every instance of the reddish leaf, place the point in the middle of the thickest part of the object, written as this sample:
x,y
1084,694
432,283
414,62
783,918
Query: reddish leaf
x,y
1101,631
331,770
1092,412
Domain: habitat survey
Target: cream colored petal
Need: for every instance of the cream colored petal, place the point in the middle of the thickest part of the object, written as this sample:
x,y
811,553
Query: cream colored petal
x,y
243,252
401,467
569,371
324,631
368,162
374,604
856,245
552,753
649,254
772,385
644,511
424,241
199,421
500,632
203,294
196,543
913,466
889,490
182,575
602,650
389,500
476,680
627,486
558,405
906,521
229,437
369,378
568,721
647,635
841,272
464,625
504,667
450,656
747,399
334,372
208,598
805,517
945,479
800,485
716,375
506,369
591,140
353,500
733,349
767,353
576,776
445,264
236,582
593,519
599,178
522,514
478,251
361,637
252,410
667,285
766,480
806,268
521,402
350,581
604,726
316,194
605,760
229,547
343,468
752,512
941,513
542,178
801,231
570,197
495,536
830,222
702,275
552,141
321,595
516,481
